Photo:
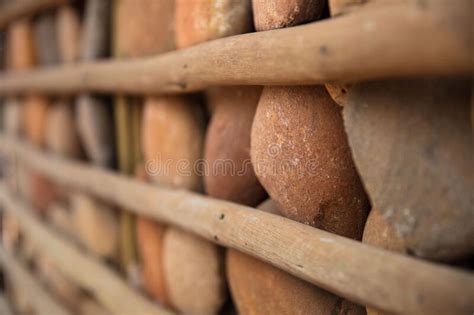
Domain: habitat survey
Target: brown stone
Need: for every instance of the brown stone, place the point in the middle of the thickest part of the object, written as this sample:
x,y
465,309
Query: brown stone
x,y
96,225
301,156
273,14
61,133
34,117
149,235
230,175
143,29
412,144
204,20
68,29
378,232
194,272
172,140
20,48
150,250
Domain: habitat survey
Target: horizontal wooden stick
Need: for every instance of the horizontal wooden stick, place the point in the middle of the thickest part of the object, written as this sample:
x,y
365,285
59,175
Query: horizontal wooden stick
x,y
16,9
41,301
87,271
404,38
367,275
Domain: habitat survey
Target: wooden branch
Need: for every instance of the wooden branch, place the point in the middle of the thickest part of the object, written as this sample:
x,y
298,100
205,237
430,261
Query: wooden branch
x,y
404,38
86,271
16,9
41,301
369,276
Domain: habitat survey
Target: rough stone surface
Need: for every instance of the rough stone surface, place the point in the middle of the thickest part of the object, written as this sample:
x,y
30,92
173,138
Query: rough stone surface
x,y
273,14
301,156
230,175
150,248
61,132
200,21
144,29
194,271
34,118
20,52
172,141
412,144
96,225
68,30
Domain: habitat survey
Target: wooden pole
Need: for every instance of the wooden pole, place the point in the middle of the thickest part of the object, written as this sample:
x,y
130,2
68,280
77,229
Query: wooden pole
x,y
41,301
405,38
16,9
363,274
85,271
